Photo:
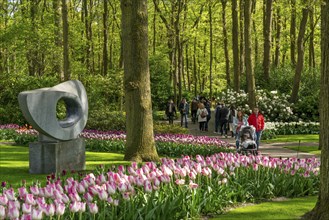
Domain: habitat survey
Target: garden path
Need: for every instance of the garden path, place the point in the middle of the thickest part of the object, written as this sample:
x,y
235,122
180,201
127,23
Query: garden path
x,y
272,149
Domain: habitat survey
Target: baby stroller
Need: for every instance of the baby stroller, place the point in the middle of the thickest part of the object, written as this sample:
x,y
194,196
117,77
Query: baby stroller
x,y
248,140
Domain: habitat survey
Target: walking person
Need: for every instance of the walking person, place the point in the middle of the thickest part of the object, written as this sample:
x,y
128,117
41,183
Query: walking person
x,y
207,105
194,109
183,109
218,107
256,119
224,113
202,116
171,111
233,113
238,122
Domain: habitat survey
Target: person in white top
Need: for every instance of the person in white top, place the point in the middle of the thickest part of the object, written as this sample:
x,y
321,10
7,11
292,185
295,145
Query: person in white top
x,y
202,116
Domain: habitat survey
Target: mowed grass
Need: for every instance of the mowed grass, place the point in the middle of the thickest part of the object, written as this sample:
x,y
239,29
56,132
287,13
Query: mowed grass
x,y
14,164
307,149
287,209
294,138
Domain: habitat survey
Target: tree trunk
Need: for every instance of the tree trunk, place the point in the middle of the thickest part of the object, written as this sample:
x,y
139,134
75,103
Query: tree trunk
x,y
300,55
321,211
311,55
154,31
57,41
278,35
105,38
187,65
242,45
293,32
66,60
235,45
227,59
254,3
140,144
211,49
267,39
195,78
248,56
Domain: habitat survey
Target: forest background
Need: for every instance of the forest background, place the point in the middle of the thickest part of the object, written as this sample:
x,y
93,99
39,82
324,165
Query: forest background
x,y
195,48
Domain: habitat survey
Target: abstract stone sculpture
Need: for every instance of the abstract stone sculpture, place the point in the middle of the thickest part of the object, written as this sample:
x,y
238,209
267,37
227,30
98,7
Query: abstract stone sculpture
x,y
39,108
59,147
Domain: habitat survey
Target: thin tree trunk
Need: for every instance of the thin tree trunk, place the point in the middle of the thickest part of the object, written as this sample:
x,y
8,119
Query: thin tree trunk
x,y
139,123
105,38
235,45
227,59
311,55
66,60
267,39
300,55
278,36
154,30
321,211
242,45
248,43
195,79
254,3
293,32
211,49
187,66
57,41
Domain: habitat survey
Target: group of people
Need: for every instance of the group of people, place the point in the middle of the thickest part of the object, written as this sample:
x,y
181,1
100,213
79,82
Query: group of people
x,y
226,119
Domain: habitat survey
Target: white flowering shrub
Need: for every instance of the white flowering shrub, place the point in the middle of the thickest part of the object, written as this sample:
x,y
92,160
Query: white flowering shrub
x,y
274,106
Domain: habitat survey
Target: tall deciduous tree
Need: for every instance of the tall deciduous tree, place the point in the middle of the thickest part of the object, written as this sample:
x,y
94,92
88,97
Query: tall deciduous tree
x,y
248,56
227,59
235,45
267,39
139,122
321,211
66,60
57,40
293,32
300,53
105,38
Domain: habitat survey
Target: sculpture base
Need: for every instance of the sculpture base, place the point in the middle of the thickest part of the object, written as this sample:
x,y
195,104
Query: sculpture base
x,y
54,157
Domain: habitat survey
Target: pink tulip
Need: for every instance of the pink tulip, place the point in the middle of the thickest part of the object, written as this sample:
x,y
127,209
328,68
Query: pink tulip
x,y
13,204
193,185
13,213
3,200
10,194
74,206
2,212
147,186
22,192
122,187
102,194
26,217
88,197
101,179
60,209
255,166
81,188
180,181
26,208
50,210
93,208
82,206
37,214
34,190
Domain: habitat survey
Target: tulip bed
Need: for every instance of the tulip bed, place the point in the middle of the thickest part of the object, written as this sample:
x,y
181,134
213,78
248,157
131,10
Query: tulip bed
x,y
169,145
173,189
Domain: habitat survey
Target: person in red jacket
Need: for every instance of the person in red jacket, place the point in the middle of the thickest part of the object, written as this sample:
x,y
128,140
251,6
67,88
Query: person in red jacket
x,y
256,119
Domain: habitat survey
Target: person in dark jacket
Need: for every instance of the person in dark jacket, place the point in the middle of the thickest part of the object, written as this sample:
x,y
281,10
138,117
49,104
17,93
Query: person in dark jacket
x,y
223,115
183,109
171,111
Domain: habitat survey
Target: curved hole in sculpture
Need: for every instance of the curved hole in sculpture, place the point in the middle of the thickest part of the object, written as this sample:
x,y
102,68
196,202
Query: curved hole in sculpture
x,y
72,112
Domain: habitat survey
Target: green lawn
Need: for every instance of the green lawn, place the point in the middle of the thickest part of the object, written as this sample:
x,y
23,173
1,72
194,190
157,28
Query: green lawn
x,y
294,138
287,209
15,160
307,149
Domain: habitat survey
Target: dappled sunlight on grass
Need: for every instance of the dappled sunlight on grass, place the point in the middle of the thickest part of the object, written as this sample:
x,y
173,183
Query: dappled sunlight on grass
x,y
14,164
306,149
287,209
294,138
